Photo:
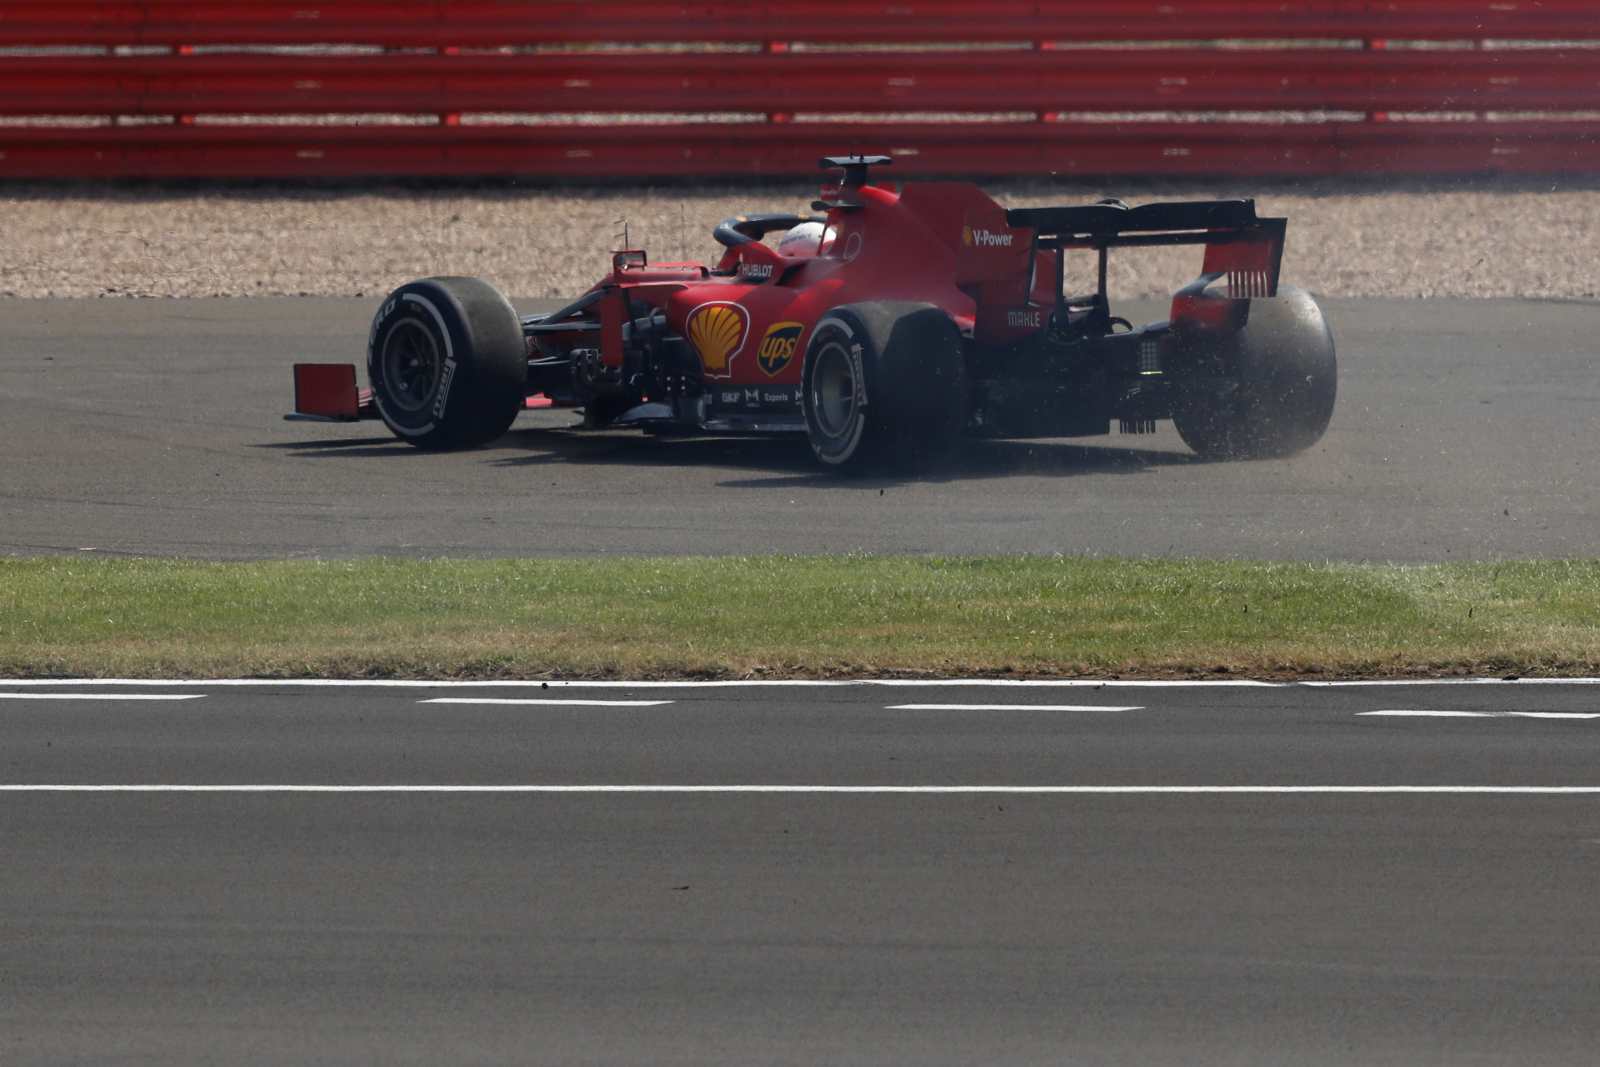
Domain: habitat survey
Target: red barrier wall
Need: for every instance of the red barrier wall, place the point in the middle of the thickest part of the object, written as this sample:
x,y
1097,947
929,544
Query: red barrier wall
x,y
441,23
269,89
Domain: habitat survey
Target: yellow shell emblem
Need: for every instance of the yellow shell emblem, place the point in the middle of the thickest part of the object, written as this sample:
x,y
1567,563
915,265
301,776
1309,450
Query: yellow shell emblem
x,y
717,332
966,236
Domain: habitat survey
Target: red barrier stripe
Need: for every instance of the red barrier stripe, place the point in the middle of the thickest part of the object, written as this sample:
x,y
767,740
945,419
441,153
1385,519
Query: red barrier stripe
x,y
1029,81
1374,81
497,22
791,151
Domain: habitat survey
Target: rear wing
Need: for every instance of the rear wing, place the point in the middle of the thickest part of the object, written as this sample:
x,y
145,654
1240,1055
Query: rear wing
x,y
1240,245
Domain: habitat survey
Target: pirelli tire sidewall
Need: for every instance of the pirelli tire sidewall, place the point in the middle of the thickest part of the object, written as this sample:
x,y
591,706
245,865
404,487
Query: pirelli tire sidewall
x,y
473,361
844,437
907,363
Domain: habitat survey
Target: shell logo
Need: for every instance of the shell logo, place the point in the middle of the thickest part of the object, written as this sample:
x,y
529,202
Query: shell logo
x,y
717,331
966,236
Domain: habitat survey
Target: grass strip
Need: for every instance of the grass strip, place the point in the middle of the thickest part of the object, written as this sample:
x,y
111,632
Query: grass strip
x,y
800,616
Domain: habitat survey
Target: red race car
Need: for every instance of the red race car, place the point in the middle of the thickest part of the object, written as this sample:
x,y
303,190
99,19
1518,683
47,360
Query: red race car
x,y
885,327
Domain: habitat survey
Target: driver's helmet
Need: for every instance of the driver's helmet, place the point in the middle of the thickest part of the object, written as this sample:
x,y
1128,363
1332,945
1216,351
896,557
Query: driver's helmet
x,y
806,239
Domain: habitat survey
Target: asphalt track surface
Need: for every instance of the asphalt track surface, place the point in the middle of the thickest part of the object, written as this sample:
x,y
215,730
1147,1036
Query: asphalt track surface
x,y
1464,429
588,913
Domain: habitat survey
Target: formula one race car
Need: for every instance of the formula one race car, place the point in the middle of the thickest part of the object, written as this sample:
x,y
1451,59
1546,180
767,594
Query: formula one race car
x,y
884,329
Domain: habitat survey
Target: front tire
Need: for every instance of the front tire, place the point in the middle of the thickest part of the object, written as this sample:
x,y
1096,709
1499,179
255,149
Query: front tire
x,y
1280,378
447,362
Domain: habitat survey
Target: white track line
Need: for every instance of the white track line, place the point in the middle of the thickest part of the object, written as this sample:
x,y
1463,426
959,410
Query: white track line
x,y
1418,713
1006,707
1447,681
937,790
760,683
102,696
544,703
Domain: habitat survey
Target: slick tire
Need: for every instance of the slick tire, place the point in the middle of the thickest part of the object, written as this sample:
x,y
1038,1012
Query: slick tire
x,y
447,362
884,386
1283,378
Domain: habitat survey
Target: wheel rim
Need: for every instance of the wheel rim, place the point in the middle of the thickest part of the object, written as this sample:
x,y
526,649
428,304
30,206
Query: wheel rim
x,y
411,365
833,391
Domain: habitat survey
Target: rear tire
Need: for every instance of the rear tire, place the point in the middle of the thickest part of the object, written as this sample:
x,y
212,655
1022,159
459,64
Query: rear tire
x,y
447,362
1285,380
884,385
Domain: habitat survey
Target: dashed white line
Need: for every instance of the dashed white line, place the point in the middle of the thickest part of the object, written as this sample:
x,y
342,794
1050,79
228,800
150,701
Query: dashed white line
x,y
1421,713
540,702
935,790
102,696
1400,712
1007,707
1553,714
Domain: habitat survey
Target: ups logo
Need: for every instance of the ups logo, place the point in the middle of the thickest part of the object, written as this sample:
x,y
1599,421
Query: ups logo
x,y
777,347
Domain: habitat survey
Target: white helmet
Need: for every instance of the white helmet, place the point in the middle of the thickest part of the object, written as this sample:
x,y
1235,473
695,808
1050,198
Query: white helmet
x,y
806,239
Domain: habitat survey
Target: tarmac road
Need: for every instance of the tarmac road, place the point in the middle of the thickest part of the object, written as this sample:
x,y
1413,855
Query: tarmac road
x,y
1465,429
590,914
